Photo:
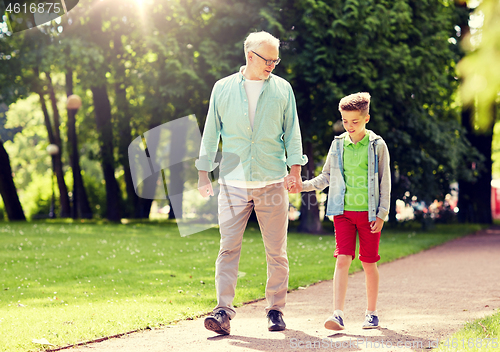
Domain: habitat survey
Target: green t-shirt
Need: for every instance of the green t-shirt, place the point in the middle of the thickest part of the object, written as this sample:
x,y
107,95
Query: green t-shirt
x,y
356,174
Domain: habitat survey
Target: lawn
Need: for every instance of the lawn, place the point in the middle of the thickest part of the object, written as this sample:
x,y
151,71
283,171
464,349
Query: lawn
x,y
74,282
479,335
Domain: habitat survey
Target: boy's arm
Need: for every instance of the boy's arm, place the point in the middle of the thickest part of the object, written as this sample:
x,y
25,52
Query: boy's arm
x,y
321,181
384,175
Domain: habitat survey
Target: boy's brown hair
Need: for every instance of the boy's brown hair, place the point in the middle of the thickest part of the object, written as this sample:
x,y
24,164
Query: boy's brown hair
x,y
356,102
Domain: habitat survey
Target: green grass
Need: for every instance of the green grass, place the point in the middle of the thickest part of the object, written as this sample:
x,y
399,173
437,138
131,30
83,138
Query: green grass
x,y
74,282
478,335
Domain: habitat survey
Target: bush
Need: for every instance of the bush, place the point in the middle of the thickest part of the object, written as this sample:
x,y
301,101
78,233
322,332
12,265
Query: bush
x,y
36,198
96,193
3,213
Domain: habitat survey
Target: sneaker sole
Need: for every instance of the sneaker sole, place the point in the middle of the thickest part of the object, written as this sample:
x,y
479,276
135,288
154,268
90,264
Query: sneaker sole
x,y
214,326
370,327
331,325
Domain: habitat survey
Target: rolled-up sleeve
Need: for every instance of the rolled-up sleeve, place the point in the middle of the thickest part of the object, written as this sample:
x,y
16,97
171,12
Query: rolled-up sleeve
x,y
292,137
211,136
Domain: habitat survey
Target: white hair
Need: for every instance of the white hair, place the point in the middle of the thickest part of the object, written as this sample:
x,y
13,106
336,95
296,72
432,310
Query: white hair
x,y
256,39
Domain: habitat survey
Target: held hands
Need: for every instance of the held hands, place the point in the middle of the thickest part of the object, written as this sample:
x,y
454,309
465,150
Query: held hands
x,y
204,184
293,181
377,225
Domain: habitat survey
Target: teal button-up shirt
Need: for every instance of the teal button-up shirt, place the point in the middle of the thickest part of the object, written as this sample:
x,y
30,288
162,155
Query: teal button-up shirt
x,y
259,154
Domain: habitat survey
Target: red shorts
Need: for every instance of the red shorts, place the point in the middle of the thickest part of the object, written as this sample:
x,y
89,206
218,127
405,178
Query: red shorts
x,y
346,226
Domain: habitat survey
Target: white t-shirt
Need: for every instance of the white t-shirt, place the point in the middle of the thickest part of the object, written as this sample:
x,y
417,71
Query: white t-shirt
x,y
253,89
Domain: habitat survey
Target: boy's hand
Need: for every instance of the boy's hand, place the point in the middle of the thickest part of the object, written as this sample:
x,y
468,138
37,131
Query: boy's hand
x,y
293,181
377,225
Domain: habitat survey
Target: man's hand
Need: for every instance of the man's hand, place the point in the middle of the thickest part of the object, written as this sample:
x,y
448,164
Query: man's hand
x,y
204,184
377,225
293,181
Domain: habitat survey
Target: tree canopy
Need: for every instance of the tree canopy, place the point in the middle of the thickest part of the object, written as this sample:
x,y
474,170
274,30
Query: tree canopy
x,y
137,65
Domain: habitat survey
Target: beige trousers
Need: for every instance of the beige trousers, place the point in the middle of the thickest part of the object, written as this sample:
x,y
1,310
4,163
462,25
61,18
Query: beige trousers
x,y
235,207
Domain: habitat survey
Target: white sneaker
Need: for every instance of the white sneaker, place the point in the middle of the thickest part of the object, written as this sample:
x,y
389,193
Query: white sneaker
x,y
335,322
371,322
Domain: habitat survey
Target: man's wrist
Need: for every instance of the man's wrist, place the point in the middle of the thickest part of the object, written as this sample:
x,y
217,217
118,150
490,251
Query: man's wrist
x,y
203,175
295,170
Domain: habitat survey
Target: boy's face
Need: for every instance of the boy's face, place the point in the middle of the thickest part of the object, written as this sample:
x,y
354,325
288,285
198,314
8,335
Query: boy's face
x,y
354,123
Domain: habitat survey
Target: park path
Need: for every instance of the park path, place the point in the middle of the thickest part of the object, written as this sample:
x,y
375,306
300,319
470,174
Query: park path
x,y
423,298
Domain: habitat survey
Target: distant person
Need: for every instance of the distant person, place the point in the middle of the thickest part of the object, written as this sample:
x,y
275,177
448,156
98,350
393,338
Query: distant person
x,y
255,113
358,173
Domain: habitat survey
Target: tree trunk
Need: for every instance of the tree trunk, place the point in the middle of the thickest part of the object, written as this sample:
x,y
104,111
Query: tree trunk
x,y
55,112
397,189
124,117
54,138
105,130
309,208
8,189
81,206
474,198
151,183
177,152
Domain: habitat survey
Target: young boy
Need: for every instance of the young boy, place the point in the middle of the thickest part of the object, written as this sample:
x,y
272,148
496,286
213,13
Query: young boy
x,y
357,171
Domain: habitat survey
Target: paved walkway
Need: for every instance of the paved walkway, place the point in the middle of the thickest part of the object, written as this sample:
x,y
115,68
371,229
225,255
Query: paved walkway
x,y
423,298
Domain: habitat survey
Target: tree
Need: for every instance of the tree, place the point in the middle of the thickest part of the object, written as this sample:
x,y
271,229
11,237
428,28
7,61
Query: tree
x,y
400,52
480,92
8,189
81,207
28,70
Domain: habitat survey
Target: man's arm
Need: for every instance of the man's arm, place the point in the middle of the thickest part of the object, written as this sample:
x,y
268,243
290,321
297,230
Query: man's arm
x,y
291,137
208,148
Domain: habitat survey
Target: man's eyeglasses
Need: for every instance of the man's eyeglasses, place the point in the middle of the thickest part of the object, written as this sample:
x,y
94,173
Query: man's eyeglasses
x,y
268,62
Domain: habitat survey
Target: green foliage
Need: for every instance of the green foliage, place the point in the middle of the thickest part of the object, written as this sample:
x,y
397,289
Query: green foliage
x,y
27,150
479,69
404,53
158,61
79,281
165,65
32,165
96,194
3,213
495,148
37,195
478,335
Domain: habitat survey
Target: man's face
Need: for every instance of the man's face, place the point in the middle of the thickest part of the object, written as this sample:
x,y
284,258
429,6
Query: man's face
x,y
257,67
354,123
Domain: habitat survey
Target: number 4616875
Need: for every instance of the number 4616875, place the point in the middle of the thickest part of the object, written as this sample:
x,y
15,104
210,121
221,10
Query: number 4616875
x,y
47,7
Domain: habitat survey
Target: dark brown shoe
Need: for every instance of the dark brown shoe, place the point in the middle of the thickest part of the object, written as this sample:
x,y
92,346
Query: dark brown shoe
x,y
218,322
275,321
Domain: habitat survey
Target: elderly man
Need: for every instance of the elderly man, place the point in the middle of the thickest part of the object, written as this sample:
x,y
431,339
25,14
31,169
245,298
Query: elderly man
x,y
255,114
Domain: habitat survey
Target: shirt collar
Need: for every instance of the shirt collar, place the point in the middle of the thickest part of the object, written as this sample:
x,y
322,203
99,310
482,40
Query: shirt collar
x,y
363,142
